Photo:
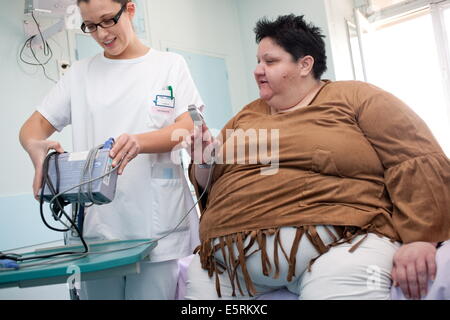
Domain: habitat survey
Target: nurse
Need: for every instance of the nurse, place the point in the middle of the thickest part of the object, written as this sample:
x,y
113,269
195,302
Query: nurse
x,y
140,96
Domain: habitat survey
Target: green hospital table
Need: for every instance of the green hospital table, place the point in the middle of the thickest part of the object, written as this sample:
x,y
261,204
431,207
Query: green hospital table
x,y
106,259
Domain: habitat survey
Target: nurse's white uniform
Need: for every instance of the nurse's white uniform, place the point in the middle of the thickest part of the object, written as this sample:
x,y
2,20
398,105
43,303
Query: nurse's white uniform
x,y
104,98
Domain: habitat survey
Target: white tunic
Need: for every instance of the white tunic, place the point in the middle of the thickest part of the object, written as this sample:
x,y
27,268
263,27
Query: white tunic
x,y
105,98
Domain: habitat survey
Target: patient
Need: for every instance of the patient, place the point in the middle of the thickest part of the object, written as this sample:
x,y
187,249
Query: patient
x,y
356,194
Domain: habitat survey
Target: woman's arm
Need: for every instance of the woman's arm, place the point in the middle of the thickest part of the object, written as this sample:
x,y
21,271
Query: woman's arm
x,y
33,137
128,146
417,178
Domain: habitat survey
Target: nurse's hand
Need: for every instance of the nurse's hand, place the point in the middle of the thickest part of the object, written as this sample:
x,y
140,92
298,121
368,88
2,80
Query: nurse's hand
x,y
125,149
414,266
200,144
38,150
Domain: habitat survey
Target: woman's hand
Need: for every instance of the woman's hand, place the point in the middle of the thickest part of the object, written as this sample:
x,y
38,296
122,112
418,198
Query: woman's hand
x,y
200,145
125,149
414,266
38,150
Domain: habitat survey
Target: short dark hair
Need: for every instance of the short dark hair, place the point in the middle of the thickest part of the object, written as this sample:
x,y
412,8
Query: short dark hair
x,y
122,2
297,37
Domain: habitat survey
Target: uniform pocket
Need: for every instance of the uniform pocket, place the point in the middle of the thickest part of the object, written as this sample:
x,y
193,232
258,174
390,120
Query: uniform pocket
x,y
158,116
168,202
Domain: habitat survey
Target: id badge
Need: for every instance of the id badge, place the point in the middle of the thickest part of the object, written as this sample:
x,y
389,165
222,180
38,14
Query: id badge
x,y
162,109
163,101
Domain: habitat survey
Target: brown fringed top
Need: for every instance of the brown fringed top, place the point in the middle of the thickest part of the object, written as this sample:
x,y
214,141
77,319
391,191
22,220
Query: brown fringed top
x,y
356,158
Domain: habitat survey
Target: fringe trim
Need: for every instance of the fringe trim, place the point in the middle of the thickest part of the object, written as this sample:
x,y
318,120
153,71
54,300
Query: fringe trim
x,y
207,251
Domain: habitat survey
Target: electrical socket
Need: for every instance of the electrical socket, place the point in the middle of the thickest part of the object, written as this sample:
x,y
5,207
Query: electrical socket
x,y
63,66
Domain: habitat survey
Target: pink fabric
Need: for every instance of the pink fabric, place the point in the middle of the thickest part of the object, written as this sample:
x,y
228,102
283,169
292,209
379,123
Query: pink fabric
x,y
183,265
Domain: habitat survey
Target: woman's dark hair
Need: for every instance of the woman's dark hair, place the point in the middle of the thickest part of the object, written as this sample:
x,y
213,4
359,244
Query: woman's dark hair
x,y
297,37
122,2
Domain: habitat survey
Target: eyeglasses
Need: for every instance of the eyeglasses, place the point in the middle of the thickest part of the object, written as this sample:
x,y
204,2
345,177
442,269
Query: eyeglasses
x,y
92,27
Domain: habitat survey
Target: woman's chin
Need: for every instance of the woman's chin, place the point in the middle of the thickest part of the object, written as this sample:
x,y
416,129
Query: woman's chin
x,y
113,53
265,96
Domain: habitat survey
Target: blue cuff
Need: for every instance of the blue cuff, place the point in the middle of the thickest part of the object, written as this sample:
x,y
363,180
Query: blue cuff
x,y
7,263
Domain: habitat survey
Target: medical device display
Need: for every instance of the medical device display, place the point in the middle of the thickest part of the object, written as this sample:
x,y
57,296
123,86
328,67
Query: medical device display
x,y
72,169
80,179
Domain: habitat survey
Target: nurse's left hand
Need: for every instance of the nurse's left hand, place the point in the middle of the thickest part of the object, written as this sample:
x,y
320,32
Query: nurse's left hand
x,y
125,149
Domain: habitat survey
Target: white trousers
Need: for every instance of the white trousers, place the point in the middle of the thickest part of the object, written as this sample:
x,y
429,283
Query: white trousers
x,y
337,274
156,281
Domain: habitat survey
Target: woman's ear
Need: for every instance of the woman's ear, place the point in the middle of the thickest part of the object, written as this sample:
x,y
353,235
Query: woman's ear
x,y
306,65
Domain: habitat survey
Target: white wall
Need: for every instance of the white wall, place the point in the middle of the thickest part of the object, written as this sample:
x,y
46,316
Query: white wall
x,y
202,26
21,88
250,11
337,11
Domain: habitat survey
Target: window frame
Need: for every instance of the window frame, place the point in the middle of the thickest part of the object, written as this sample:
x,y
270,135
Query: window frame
x,y
405,10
